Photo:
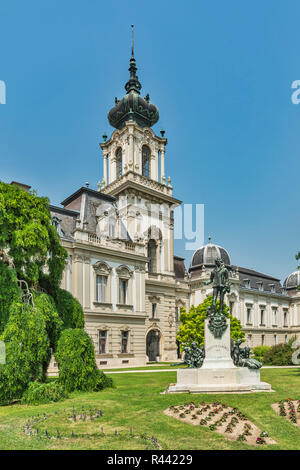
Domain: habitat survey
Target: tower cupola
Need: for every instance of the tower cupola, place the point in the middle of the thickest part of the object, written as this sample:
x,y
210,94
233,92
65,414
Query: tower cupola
x,y
132,107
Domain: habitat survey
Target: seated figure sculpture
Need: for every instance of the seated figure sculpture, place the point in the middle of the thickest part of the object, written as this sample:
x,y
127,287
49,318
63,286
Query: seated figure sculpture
x,y
194,356
241,356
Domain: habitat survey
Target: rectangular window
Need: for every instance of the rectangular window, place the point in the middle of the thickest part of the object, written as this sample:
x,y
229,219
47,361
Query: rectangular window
x,y
177,313
231,307
262,317
123,285
286,338
249,340
153,310
275,316
101,282
275,340
124,341
248,315
285,317
262,340
102,341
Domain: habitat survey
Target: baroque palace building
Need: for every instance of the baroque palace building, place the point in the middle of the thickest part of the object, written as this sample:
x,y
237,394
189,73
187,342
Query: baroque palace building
x,y
121,263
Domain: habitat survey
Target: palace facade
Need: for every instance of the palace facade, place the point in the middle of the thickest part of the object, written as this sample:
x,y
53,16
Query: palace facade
x,y
121,264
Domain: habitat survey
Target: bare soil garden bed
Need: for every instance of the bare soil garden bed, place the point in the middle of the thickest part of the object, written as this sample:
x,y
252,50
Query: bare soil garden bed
x,y
290,409
219,417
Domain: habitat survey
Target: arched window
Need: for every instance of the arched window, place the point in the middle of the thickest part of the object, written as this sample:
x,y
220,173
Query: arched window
x,y
146,161
152,255
119,162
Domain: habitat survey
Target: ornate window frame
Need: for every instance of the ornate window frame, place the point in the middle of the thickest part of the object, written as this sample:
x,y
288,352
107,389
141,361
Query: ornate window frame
x,y
124,273
130,344
101,268
108,352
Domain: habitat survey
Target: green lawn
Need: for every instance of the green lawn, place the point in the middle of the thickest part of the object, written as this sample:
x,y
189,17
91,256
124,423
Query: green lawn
x,y
136,403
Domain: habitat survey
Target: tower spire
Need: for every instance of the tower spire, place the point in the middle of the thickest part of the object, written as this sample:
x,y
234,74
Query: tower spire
x,y
133,83
132,41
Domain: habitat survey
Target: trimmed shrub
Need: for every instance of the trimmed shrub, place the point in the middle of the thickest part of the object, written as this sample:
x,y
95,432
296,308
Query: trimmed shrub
x,y
69,309
259,352
39,393
9,292
279,355
103,381
76,361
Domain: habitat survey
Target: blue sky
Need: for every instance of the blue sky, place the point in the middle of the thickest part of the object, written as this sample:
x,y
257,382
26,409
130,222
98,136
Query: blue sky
x,y
220,73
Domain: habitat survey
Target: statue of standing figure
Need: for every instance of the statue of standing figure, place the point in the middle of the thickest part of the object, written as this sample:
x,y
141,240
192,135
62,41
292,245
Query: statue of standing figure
x,y
219,278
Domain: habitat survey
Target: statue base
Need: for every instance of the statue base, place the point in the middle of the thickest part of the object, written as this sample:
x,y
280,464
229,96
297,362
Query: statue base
x,y
218,374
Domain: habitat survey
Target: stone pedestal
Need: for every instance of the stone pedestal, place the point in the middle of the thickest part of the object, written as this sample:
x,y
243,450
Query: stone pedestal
x,y
218,373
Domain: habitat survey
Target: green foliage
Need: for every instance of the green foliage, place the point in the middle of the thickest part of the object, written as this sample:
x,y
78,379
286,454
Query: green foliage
x,y
192,324
9,292
27,233
26,327
45,305
15,374
279,355
76,360
69,309
38,393
259,352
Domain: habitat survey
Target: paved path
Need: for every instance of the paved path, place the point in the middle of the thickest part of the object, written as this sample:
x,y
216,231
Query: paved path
x,y
174,370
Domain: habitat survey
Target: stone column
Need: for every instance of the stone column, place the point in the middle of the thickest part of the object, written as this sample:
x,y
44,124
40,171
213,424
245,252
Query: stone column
x,y
162,164
171,245
87,280
131,152
153,174
77,277
113,169
105,168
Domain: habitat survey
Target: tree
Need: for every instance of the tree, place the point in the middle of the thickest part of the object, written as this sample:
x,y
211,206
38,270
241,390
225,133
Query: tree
x,y
192,324
28,237
45,305
69,309
75,356
27,351
9,292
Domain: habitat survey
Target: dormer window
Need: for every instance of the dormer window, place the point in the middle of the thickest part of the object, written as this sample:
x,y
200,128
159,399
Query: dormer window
x,y
247,283
260,285
272,286
119,162
146,161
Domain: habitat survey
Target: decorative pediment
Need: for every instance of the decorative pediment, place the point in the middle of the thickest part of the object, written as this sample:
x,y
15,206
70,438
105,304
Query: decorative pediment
x,y
102,328
154,299
153,233
101,268
125,328
179,302
124,272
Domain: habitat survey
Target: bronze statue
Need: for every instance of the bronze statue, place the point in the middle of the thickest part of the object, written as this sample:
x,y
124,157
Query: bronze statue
x,y
194,356
241,356
219,278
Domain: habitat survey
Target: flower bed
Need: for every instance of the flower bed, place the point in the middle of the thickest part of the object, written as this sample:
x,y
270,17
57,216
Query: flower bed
x,y
219,417
290,409
82,423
